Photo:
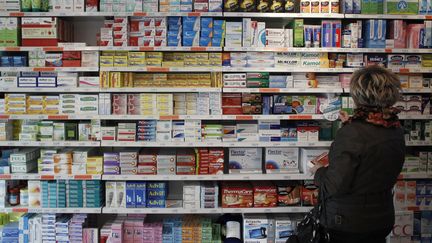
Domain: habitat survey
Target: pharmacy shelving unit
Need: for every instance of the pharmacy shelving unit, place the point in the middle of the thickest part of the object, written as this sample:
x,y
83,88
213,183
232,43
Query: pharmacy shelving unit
x,y
223,177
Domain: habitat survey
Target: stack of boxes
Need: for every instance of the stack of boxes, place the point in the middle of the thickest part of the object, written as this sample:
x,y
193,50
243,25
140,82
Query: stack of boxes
x,y
212,32
80,159
46,161
4,160
192,130
146,130
119,104
210,161
94,165
209,195
269,131
166,162
178,131
174,31
129,162
126,132
48,222
247,132
6,130
163,131
147,162
234,32
282,160
75,197
9,30
245,160
152,232
15,103
185,162
120,31
37,58
111,163
157,194
34,190
33,28
24,161
135,194
191,195
212,133
94,191
106,34
63,162
251,103
148,31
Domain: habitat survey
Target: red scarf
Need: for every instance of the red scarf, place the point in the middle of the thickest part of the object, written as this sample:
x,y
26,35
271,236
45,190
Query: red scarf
x,y
385,117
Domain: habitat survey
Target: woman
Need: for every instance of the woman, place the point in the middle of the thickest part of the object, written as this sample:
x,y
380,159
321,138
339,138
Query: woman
x,y
365,160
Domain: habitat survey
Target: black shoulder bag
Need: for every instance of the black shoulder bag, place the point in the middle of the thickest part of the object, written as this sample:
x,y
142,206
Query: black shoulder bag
x,y
309,230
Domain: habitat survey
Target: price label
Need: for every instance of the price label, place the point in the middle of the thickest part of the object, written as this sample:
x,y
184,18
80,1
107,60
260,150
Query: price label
x,y
311,144
175,211
113,211
76,210
267,210
193,211
154,211
287,177
246,178
295,210
213,211
255,144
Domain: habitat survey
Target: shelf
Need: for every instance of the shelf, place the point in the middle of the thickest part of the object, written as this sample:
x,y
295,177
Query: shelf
x,y
288,69
217,49
285,15
50,48
415,117
408,90
283,90
49,69
156,117
386,16
326,49
162,89
103,14
316,70
106,210
415,176
111,90
160,144
162,69
50,117
160,48
50,210
35,176
225,177
213,144
418,143
273,117
51,90
50,143
268,210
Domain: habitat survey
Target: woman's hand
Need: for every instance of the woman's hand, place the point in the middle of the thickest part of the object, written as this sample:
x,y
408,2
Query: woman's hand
x,y
315,168
343,115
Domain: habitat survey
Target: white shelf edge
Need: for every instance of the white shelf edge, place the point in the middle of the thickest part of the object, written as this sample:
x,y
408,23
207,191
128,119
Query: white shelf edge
x,y
284,15
213,144
51,143
48,69
97,210
282,90
415,176
225,177
51,90
385,16
161,69
36,176
219,49
292,209
107,14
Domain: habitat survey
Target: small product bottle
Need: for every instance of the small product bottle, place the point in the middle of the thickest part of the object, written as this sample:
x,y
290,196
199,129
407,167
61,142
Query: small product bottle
x,y
24,197
14,196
